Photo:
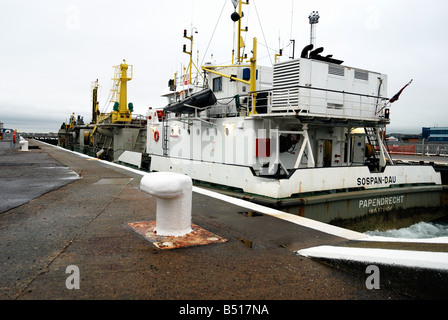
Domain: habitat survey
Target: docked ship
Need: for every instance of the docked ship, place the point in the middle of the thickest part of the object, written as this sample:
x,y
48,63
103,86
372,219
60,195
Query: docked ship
x,y
305,135
108,134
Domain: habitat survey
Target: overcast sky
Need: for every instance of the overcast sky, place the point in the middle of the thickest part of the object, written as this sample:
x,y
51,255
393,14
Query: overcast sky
x,y
51,50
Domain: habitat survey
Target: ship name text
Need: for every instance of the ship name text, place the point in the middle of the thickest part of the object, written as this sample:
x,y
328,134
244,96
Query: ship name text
x,y
376,180
381,201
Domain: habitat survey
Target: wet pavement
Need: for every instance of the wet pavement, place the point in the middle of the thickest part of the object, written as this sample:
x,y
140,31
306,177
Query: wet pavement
x,y
24,177
80,217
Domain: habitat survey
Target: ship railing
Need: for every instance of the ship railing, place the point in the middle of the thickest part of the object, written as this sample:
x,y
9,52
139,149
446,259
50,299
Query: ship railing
x,y
7,136
352,106
306,100
139,119
303,101
417,149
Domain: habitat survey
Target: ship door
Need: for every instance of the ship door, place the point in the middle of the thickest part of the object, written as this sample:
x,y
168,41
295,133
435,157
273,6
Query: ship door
x,y
328,151
359,149
324,153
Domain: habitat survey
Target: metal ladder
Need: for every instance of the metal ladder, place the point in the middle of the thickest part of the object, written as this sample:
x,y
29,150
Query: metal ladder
x,y
374,138
166,129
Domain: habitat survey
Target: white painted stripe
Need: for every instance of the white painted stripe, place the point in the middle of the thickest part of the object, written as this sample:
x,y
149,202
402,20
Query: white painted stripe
x,y
142,173
418,259
305,222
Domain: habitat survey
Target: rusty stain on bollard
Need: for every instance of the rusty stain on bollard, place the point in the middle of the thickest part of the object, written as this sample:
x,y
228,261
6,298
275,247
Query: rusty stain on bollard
x,y
197,237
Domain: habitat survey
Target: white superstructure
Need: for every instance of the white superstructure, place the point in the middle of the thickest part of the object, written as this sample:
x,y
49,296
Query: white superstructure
x,y
306,125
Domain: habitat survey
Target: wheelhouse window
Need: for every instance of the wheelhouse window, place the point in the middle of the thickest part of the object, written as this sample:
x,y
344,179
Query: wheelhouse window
x,y
217,84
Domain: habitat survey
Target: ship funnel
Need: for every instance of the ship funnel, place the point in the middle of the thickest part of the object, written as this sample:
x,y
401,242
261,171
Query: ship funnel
x,y
306,50
316,52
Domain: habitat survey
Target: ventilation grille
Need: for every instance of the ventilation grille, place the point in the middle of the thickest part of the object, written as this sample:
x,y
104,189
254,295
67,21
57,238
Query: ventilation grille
x,y
361,75
336,70
285,83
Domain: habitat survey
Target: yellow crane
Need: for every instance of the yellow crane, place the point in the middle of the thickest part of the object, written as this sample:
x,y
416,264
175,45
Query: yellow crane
x,y
122,112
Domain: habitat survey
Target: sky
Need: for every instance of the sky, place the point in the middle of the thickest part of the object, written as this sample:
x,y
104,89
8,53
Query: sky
x,y
52,50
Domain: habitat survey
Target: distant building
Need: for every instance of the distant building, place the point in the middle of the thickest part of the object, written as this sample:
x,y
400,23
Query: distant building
x,y
404,138
435,134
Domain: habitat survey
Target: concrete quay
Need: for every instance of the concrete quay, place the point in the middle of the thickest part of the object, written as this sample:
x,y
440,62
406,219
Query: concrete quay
x,y
79,214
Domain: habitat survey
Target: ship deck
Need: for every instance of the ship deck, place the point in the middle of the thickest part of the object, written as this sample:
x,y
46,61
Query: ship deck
x,y
60,209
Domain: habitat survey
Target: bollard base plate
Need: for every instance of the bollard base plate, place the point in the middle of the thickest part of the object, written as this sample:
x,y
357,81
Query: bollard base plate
x,y
197,237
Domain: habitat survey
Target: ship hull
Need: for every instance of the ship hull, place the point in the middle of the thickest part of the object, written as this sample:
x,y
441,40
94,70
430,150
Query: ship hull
x,y
302,181
351,197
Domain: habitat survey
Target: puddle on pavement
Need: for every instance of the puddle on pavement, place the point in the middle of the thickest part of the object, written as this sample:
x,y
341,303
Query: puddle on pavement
x,y
114,181
246,242
251,214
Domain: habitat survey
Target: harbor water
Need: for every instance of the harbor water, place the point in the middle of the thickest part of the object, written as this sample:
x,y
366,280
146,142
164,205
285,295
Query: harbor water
x,y
421,230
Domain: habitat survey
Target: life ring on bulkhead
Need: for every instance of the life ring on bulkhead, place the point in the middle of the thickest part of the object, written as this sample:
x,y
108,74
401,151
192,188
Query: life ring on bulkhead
x,y
156,136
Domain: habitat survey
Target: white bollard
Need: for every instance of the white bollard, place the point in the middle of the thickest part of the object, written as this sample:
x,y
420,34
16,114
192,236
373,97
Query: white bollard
x,y
174,199
24,145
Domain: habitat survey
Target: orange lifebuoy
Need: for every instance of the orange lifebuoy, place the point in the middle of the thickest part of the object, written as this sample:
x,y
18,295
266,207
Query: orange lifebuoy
x,y
156,136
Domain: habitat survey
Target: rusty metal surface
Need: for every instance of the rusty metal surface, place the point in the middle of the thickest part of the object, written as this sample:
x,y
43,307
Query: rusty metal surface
x,y
197,237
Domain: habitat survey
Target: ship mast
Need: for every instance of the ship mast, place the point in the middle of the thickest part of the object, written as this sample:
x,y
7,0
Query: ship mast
x,y
191,63
190,53
236,17
95,103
